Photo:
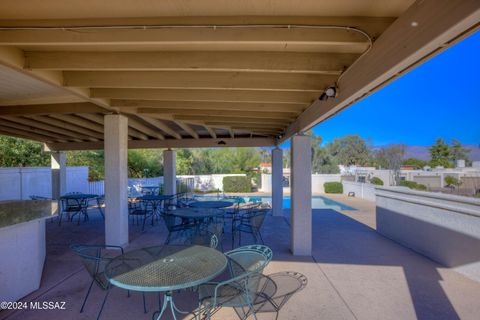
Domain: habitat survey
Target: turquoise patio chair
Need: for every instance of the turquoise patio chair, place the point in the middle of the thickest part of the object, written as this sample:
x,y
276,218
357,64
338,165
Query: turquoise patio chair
x,y
245,266
94,259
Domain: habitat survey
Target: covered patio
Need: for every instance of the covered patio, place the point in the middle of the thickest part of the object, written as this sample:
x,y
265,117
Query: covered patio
x,y
175,74
353,273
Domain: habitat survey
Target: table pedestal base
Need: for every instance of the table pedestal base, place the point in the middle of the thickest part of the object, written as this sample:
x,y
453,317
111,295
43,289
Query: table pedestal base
x,y
168,299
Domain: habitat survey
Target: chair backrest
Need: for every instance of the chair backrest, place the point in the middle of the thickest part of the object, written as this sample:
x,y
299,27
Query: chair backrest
x,y
95,258
70,204
252,258
34,197
257,217
206,239
170,220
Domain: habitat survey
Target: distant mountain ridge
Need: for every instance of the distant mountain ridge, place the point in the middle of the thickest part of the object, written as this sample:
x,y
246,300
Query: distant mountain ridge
x,y
423,152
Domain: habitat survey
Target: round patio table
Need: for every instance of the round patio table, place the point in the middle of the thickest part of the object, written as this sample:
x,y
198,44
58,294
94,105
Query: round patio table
x,y
165,269
211,204
196,213
156,203
83,199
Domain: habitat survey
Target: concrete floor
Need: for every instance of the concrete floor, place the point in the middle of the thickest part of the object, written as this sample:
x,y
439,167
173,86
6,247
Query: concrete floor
x,y
354,273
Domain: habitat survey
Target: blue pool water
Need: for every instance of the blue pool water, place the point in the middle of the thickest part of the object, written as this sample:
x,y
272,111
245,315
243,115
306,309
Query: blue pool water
x,y
318,202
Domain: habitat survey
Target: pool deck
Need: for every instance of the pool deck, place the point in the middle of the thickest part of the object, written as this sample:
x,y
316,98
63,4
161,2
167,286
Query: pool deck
x,y
353,273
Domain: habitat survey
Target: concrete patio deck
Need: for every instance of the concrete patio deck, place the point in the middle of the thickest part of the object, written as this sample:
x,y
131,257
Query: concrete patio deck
x,y
354,273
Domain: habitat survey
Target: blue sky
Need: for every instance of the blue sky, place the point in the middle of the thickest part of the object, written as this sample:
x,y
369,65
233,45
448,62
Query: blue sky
x,y
440,98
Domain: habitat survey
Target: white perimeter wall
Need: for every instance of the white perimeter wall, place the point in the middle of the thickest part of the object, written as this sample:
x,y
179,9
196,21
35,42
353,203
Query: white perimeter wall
x,y
20,183
364,191
201,182
317,182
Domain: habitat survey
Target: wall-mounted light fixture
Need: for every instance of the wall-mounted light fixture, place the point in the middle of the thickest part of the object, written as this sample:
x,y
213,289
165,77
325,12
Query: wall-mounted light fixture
x,y
329,93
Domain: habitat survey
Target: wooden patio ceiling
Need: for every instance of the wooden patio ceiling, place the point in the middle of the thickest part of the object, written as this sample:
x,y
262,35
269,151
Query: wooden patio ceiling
x,y
246,73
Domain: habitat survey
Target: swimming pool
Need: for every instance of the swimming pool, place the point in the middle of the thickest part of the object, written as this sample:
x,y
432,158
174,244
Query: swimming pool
x,y
318,202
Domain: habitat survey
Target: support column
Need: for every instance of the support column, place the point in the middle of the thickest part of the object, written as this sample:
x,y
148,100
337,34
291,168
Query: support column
x,y
277,182
59,174
116,180
170,172
301,195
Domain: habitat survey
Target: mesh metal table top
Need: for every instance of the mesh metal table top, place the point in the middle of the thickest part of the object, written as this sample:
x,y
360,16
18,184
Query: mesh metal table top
x,y
79,196
211,204
196,213
165,268
152,197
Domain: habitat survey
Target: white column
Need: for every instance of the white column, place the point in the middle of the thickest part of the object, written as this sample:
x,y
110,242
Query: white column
x,y
59,174
277,182
116,180
169,172
301,195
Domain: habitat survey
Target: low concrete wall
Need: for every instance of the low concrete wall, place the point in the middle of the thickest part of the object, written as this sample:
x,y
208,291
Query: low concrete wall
x,y
364,191
445,228
20,183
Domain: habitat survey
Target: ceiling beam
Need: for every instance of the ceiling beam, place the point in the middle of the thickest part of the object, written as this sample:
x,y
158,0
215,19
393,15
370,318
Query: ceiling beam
x,y
24,135
28,129
222,124
201,39
403,46
78,122
187,129
199,80
169,143
227,113
42,100
372,25
249,96
8,131
210,105
14,58
161,125
211,132
54,131
227,119
44,109
287,62
98,120
137,125
90,134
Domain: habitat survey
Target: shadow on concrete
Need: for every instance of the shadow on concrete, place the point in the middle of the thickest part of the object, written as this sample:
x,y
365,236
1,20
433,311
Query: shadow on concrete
x,y
339,239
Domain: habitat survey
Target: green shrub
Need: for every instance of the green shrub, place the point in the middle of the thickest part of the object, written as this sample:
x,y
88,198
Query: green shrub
x,y
377,181
413,185
237,184
333,187
452,181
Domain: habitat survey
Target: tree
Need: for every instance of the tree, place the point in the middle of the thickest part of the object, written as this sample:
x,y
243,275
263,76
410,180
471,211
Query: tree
x,y
16,152
419,163
390,157
349,150
94,160
440,153
457,152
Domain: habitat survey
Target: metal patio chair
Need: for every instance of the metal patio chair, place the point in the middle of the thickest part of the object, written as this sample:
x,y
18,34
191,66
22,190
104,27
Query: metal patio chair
x,y
174,227
274,291
250,222
71,207
137,210
94,259
245,267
